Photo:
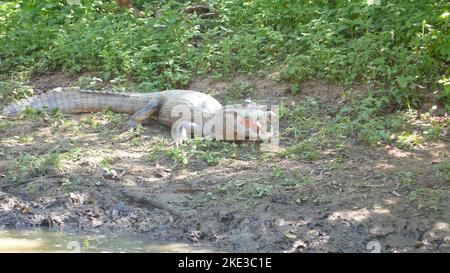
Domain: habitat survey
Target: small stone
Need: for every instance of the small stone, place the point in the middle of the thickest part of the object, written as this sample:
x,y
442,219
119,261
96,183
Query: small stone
x,y
381,231
115,213
289,235
72,195
419,245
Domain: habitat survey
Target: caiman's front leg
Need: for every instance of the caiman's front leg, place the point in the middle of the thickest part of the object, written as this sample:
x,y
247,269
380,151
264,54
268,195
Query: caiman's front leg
x,y
183,130
142,114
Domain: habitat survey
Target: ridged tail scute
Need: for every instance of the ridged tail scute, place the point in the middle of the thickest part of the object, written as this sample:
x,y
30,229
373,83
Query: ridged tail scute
x,y
73,100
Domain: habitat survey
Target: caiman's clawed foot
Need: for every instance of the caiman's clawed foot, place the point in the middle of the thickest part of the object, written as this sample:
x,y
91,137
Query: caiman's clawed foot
x,y
127,132
141,115
131,124
183,130
180,136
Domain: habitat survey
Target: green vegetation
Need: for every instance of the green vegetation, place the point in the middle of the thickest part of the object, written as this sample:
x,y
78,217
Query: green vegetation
x,y
399,46
443,169
71,185
107,162
429,199
208,151
29,166
238,92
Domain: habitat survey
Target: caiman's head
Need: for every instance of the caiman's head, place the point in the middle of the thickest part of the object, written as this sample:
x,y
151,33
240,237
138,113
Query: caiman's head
x,y
248,122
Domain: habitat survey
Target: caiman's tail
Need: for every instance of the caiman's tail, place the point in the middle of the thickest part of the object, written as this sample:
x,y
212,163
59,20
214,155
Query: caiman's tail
x,y
73,100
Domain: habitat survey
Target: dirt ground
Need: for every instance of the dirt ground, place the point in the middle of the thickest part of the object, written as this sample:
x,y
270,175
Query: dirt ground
x,y
357,199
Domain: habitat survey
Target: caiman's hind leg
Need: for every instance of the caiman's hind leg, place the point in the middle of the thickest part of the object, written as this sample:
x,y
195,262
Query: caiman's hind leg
x,y
183,131
142,114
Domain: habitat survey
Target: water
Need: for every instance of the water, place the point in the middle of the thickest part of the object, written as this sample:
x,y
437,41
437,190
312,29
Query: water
x,y
53,241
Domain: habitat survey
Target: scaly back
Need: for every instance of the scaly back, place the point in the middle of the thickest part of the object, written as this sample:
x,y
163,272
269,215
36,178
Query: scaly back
x,y
73,100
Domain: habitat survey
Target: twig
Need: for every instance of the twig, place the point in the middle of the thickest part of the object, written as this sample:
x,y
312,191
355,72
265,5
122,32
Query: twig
x,y
374,186
147,201
30,180
396,193
372,176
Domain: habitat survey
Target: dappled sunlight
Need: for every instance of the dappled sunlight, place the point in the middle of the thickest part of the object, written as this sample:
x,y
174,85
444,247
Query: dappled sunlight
x,y
359,215
390,201
350,215
395,152
442,226
438,150
378,209
384,166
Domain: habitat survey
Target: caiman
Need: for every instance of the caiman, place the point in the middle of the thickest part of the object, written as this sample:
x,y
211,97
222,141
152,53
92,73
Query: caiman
x,y
186,112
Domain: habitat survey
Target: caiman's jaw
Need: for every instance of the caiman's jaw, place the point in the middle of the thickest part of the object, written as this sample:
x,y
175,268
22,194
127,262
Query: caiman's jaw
x,y
249,122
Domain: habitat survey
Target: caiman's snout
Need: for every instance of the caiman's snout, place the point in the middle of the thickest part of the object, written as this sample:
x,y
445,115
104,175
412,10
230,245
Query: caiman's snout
x,y
265,126
251,123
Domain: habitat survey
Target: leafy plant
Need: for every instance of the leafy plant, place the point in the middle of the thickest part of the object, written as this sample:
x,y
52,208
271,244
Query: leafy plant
x,y
443,169
29,165
402,44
